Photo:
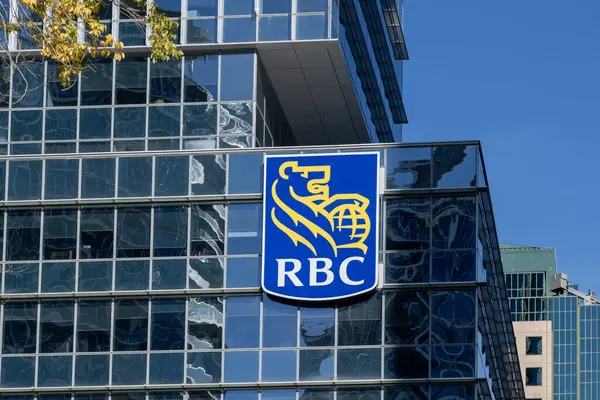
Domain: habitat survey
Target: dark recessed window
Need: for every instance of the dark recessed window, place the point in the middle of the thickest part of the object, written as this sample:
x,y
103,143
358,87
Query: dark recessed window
x,y
533,345
533,376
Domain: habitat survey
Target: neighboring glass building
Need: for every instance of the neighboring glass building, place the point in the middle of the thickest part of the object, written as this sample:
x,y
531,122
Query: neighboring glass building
x,y
569,322
131,217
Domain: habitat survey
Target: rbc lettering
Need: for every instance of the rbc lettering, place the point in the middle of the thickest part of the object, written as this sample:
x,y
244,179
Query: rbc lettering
x,y
320,273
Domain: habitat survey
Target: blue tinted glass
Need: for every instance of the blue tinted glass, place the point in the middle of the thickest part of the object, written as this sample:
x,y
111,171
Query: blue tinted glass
x,y
279,366
19,330
129,369
242,319
132,34
205,323
241,366
132,275
17,372
359,393
204,367
166,368
407,267
98,178
245,173
407,317
59,95
91,370
21,278
170,231
130,122
241,395
239,30
312,5
131,325
61,124
453,266
275,6
165,81
453,316
454,166
208,174
237,77
23,235
466,392
60,234
168,324
168,274
316,365
28,86
56,327
408,224
310,27
131,76
281,322
396,367
244,229
58,277
243,272
202,31
163,121
96,83
206,273
452,361
97,233
407,392
172,176
360,324
317,327
202,8
93,325
3,127
94,123
359,364
238,7
274,28
54,371
200,120
62,179
171,8
207,229
135,176
408,168
25,180
201,81
453,223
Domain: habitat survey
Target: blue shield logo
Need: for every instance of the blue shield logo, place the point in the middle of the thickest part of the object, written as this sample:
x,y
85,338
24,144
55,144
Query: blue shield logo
x,y
320,228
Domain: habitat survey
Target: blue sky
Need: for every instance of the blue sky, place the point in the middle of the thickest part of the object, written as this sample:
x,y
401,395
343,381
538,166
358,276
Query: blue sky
x,y
522,76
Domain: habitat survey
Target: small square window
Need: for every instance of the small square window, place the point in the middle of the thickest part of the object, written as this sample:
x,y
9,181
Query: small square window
x,y
533,345
533,376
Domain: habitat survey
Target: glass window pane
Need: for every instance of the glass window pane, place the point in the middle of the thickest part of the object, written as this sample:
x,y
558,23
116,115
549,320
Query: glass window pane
x,y
407,267
130,122
200,120
203,367
408,224
58,277
168,324
165,81
202,31
97,233
282,323
170,231
278,366
237,77
407,317
56,327
360,324
316,365
312,5
20,327
133,237
21,278
172,176
25,180
54,371
60,95
17,372
408,168
131,33
3,127
452,361
166,368
60,234
274,28
206,273
131,80
202,8
28,85
205,323
241,366
135,176
311,27
208,174
93,325
168,274
95,276
239,30
317,327
132,275
453,223
91,370
171,8
275,6
244,234
62,179
454,166
453,316
242,320
61,124
235,119
23,235
96,83
129,369
164,121
245,173
453,266
201,82
94,123
243,272
359,364
131,325
238,7
98,178
207,230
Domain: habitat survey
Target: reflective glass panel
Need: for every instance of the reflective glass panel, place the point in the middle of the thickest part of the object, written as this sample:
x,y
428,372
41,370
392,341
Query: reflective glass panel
x,y
96,83
130,122
165,81
62,179
242,320
316,365
279,366
131,80
21,278
135,176
168,324
28,85
237,77
245,173
170,231
129,369
205,323
359,364
60,234
274,28
132,33
17,372
97,233
243,272
164,121
359,393
98,178
166,368
202,8
317,327
453,223
407,317
93,325
201,82
25,180
204,367
131,325
207,230
94,123
452,361
207,174
20,327
133,232
59,95
312,5
241,366
61,124
171,176
168,274
23,235
58,277
55,371
408,168
282,323
202,31
311,27
239,30
244,229
200,120
206,273
132,275
275,6
453,316
360,324
238,7
56,327
453,266
407,267
91,370
454,166
408,223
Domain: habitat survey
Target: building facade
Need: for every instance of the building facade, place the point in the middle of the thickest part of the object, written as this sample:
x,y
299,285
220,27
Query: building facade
x,y
569,321
132,219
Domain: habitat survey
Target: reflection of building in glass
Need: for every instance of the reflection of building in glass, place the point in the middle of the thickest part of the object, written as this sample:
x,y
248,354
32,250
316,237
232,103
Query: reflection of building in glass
x,y
131,220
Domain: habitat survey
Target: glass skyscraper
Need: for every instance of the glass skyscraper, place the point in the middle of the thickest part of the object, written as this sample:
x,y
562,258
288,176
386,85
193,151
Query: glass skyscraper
x,y
132,216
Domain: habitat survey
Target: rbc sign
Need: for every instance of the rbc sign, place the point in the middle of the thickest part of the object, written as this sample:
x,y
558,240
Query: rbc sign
x,y
320,227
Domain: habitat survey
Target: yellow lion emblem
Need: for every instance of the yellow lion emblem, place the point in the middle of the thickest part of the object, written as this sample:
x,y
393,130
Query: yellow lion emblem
x,y
343,212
